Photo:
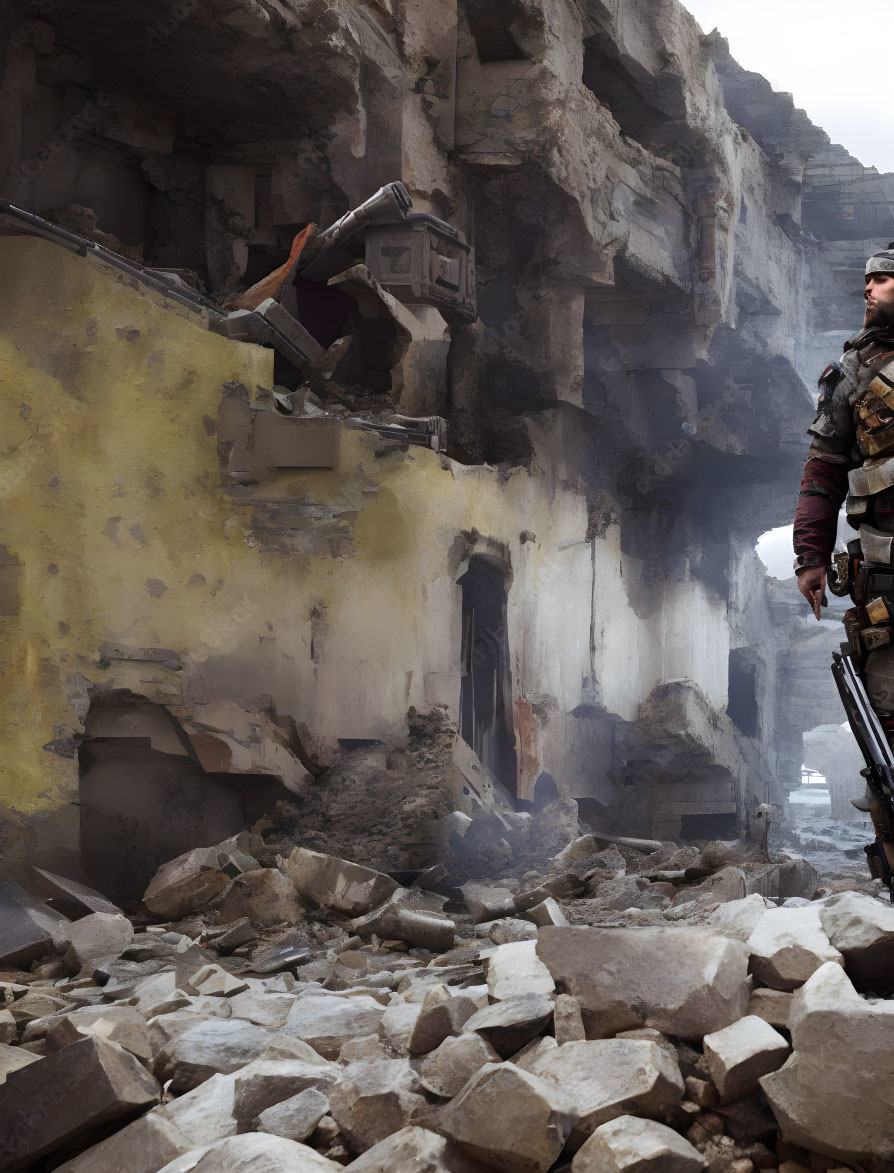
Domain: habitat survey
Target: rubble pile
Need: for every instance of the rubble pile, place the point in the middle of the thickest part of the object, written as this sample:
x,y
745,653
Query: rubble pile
x,y
632,1006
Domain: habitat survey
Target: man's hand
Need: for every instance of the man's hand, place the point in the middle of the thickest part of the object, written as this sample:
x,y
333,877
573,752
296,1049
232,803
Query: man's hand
x,y
812,585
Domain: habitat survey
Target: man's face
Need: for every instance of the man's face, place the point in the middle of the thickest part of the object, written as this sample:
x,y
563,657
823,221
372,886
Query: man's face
x,y
879,300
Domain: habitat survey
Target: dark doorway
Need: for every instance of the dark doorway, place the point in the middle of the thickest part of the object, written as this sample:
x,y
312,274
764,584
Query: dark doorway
x,y
742,703
144,800
486,719
695,827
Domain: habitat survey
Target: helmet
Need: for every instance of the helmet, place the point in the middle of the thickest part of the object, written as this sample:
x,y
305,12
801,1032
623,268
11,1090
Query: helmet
x,y
881,262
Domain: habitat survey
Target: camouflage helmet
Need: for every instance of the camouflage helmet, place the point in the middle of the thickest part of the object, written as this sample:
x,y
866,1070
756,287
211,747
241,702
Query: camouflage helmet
x,y
881,262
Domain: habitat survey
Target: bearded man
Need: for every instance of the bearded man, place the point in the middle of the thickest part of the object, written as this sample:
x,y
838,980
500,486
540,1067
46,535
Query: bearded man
x,y
852,456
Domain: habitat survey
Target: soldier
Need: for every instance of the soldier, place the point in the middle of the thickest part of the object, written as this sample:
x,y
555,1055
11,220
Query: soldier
x,y
852,456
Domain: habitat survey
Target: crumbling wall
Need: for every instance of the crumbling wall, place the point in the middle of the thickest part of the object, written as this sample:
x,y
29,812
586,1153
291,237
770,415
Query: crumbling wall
x,y
624,417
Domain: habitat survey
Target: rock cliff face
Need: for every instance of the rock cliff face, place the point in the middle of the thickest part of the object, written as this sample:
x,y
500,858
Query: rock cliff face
x,y
659,245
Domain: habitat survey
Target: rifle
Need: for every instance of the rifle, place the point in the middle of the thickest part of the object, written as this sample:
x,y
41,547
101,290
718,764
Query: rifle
x,y
879,772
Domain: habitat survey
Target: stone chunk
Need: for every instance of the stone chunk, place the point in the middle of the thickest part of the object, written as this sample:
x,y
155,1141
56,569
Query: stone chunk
x,y
327,1023
511,1024
683,982
516,969
835,1095
8,1027
415,1149
507,929
568,1019
447,1070
255,1152
186,884
375,1098
421,928
487,902
296,1117
12,1058
65,1096
29,927
788,945
123,1025
628,1144
547,912
265,1082
142,1147
69,896
213,981
772,1006
95,940
335,883
442,1014
264,895
861,928
509,1119
797,877
219,1045
610,1077
740,1054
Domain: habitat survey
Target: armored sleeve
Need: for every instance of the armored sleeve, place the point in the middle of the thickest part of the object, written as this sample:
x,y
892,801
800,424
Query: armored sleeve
x,y
824,481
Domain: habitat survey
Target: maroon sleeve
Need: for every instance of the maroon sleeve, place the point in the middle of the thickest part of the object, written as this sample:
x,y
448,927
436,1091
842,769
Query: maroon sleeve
x,y
823,489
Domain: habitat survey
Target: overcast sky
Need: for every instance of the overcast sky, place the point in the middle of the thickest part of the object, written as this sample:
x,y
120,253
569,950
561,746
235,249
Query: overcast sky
x,y
820,51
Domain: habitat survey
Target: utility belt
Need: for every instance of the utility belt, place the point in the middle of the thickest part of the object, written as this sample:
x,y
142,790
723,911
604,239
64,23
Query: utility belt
x,y
869,624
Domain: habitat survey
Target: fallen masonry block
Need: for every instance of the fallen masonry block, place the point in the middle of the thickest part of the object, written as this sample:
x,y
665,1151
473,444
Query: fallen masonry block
x,y
255,1152
95,940
213,981
375,1098
397,1026
29,927
335,883
612,1077
62,1098
296,1117
797,877
69,896
772,1006
487,902
568,1019
442,1014
547,912
265,896
528,1057
629,1144
12,1058
835,1095
270,1010
219,1045
415,1149
186,884
507,929
141,1147
740,1054
861,928
788,945
683,982
509,1119
123,1025
449,1068
516,969
327,1022
265,1082
512,1023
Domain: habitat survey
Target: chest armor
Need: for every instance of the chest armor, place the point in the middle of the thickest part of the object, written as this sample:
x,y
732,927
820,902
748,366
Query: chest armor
x,y
872,398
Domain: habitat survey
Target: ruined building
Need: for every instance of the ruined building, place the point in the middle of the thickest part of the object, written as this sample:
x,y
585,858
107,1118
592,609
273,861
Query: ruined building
x,y
511,489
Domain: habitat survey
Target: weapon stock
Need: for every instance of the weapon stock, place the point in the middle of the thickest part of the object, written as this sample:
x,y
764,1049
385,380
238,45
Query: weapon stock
x,y
879,772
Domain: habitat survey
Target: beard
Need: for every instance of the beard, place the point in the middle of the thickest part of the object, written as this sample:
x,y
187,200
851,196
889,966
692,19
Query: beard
x,y
879,315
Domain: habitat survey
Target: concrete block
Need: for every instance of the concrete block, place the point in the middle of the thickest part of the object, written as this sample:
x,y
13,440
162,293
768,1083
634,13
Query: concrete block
x,y
335,883
740,1054
65,1096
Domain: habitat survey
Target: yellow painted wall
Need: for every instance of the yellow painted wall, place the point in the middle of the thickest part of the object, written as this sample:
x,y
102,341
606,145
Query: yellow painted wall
x,y
112,503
